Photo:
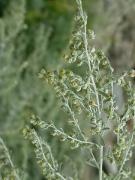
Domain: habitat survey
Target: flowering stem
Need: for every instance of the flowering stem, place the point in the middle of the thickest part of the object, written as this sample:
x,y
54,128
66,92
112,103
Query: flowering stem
x,y
101,163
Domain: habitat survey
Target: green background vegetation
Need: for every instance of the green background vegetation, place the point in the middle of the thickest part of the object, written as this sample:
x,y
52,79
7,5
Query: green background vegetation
x,y
34,34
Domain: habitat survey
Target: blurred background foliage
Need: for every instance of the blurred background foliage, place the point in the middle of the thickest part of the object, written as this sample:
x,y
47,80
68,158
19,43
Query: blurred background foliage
x,y
35,34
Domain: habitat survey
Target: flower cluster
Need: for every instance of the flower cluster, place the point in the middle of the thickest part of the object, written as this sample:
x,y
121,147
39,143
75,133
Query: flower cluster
x,y
88,93
7,168
43,154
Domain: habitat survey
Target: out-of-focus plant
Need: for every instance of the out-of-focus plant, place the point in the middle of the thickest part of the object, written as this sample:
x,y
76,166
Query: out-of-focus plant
x,y
114,27
89,101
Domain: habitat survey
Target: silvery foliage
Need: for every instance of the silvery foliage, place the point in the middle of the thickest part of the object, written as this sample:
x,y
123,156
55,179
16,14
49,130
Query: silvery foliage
x,y
88,95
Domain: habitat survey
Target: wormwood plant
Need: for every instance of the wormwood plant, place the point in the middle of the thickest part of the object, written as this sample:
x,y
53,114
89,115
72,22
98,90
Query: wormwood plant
x,y
7,168
86,95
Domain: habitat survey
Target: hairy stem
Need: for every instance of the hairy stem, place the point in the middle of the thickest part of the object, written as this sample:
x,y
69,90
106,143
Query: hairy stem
x,y
101,163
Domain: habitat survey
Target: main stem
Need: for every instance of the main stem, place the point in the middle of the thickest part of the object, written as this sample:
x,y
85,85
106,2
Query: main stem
x,y
101,163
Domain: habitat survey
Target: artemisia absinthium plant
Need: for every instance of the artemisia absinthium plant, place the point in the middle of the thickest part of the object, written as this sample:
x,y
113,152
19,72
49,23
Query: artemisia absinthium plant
x,y
90,94
7,168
